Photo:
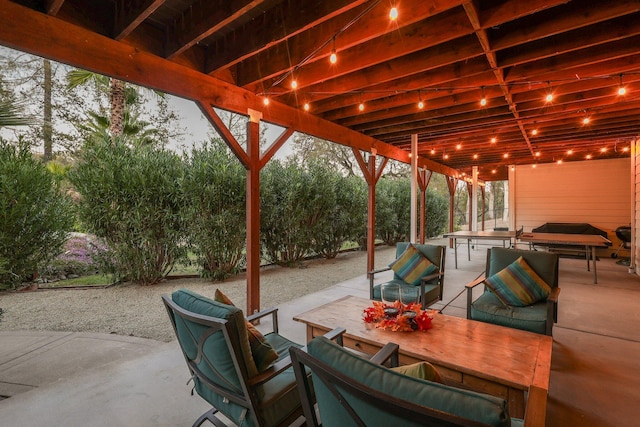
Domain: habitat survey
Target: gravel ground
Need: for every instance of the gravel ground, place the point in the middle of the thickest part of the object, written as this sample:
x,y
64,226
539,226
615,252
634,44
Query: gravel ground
x,y
130,309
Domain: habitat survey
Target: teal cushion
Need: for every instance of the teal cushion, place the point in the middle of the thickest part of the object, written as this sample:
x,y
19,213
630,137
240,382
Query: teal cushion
x,y
411,266
464,403
518,285
488,308
431,291
545,264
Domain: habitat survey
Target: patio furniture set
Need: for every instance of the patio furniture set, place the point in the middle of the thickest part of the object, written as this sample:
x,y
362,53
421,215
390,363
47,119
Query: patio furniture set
x,y
490,369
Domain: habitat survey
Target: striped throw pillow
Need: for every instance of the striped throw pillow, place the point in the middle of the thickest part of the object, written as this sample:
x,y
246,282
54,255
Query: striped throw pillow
x,y
263,353
411,266
518,285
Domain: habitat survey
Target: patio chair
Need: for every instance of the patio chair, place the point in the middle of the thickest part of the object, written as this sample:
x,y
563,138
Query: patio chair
x,y
430,285
354,391
214,341
536,317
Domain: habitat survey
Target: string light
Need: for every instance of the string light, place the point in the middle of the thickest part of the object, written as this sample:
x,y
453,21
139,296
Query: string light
x,y
494,139
603,150
333,58
446,156
586,120
538,154
505,155
459,147
534,165
420,103
306,106
266,100
549,97
483,100
569,151
433,151
625,149
294,84
494,171
393,13
559,162
588,157
475,157
534,132
621,89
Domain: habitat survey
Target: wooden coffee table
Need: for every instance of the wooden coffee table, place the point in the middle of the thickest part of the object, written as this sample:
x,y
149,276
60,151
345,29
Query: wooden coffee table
x,y
483,357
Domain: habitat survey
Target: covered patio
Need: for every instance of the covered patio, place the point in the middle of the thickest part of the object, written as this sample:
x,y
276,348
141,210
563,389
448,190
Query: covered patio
x,y
595,349
542,93
476,91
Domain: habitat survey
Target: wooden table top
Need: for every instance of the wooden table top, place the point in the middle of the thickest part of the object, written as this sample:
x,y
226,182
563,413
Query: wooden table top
x,y
508,356
566,239
487,234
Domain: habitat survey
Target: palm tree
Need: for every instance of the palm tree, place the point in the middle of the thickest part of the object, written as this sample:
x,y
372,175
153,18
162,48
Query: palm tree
x,y
11,114
114,87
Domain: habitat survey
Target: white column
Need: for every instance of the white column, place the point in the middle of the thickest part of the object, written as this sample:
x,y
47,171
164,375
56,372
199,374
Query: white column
x,y
414,188
512,197
474,199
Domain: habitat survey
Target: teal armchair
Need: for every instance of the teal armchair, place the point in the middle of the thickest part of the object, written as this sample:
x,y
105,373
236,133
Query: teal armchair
x,y
354,391
214,341
431,285
538,317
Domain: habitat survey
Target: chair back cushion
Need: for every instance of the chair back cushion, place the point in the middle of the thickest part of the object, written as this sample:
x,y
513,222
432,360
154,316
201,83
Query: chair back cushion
x,y
433,253
545,264
462,403
518,285
215,345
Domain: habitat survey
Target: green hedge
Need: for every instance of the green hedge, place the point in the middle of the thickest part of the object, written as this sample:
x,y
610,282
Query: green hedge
x,y
131,198
34,215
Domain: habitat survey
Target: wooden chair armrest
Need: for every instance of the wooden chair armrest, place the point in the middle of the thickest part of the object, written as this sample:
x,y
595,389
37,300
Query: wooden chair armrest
x,y
536,411
273,311
431,276
475,282
336,335
388,352
372,272
553,296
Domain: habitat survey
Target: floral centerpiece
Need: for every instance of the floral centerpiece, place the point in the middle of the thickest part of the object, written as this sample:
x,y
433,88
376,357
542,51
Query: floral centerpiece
x,y
398,316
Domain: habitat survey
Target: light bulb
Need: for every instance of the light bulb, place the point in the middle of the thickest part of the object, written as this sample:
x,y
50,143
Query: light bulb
x,y
433,151
361,107
622,90
586,120
538,154
625,149
603,150
333,58
588,157
549,97
559,162
306,106
459,147
493,140
475,157
483,101
569,152
294,84
534,132
446,156
505,155
420,105
266,100
393,13
494,171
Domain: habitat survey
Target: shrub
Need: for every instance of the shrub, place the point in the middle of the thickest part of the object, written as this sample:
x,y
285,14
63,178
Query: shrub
x,y
34,215
437,214
345,220
393,209
131,198
293,202
215,192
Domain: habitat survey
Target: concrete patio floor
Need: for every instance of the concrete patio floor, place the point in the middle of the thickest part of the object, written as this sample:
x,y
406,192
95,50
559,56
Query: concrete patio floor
x,y
77,379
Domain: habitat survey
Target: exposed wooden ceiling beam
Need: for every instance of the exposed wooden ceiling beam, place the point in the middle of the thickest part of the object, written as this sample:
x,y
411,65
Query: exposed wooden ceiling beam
x,y
53,6
24,29
284,22
130,14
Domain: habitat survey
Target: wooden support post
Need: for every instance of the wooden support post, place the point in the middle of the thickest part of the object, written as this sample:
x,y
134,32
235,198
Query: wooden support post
x,y
253,216
371,175
483,204
470,207
424,176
